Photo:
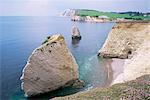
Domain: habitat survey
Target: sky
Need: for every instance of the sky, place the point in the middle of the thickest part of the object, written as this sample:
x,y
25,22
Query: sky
x,y
53,7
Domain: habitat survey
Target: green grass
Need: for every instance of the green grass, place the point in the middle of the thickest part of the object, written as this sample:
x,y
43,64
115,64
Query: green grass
x,y
111,15
93,13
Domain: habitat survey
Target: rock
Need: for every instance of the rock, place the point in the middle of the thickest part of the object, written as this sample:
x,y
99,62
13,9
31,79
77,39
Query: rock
x,y
75,33
51,66
124,39
78,84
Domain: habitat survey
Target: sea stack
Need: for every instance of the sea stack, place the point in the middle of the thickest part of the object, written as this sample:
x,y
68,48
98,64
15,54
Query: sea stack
x,y
75,33
49,67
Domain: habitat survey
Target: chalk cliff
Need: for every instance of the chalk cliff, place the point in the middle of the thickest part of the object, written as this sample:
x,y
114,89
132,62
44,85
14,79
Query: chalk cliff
x,y
50,67
124,39
68,13
138,65
129,40
89,19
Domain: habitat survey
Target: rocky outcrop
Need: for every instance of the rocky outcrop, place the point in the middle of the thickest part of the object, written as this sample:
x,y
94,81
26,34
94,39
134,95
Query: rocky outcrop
x,y
50,67
75,33
124,39
137,89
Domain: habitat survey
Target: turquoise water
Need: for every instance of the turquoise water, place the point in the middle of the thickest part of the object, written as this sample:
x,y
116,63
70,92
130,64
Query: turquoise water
x,y
19,36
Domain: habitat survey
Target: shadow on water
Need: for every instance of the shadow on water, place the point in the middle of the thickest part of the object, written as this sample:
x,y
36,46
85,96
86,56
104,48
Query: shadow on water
x,y
75,42
57,93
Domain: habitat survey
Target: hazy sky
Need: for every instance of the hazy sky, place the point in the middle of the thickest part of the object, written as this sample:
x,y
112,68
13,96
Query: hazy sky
x,y
52,7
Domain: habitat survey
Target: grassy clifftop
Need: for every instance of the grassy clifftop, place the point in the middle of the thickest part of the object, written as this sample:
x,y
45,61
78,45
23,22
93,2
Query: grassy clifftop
x,y
138,89
113,15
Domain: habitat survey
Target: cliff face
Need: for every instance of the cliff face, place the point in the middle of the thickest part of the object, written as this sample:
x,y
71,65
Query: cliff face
x,y
138,65
101,19
89,19
124,39
50,67
129,40
68,12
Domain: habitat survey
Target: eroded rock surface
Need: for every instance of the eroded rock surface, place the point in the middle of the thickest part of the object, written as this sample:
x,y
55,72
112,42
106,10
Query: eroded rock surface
x,y
124,39
50,67
138,65
129,40
68,12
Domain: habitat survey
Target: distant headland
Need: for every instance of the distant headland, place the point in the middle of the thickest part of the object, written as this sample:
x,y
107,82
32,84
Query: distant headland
x,y
87,15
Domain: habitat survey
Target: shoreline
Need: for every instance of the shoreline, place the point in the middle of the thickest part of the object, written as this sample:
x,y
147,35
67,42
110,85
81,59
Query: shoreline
x,y
113,67
126,50
117,67
102,20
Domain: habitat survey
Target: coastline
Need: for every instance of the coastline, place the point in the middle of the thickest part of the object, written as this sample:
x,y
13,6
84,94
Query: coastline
x,y
113,68
95,16
127,64
104,20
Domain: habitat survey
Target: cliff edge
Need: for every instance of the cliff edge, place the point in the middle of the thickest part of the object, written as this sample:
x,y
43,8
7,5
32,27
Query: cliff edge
x,y
137,89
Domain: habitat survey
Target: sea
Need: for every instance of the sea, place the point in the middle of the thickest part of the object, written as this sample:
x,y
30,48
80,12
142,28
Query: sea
x,y
20,35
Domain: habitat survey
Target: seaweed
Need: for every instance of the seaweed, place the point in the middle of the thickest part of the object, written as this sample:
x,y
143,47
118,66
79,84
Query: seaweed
x,y
46,40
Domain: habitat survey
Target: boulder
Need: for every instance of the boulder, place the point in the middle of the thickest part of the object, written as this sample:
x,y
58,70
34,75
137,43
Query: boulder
x,y
75,33
50,66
